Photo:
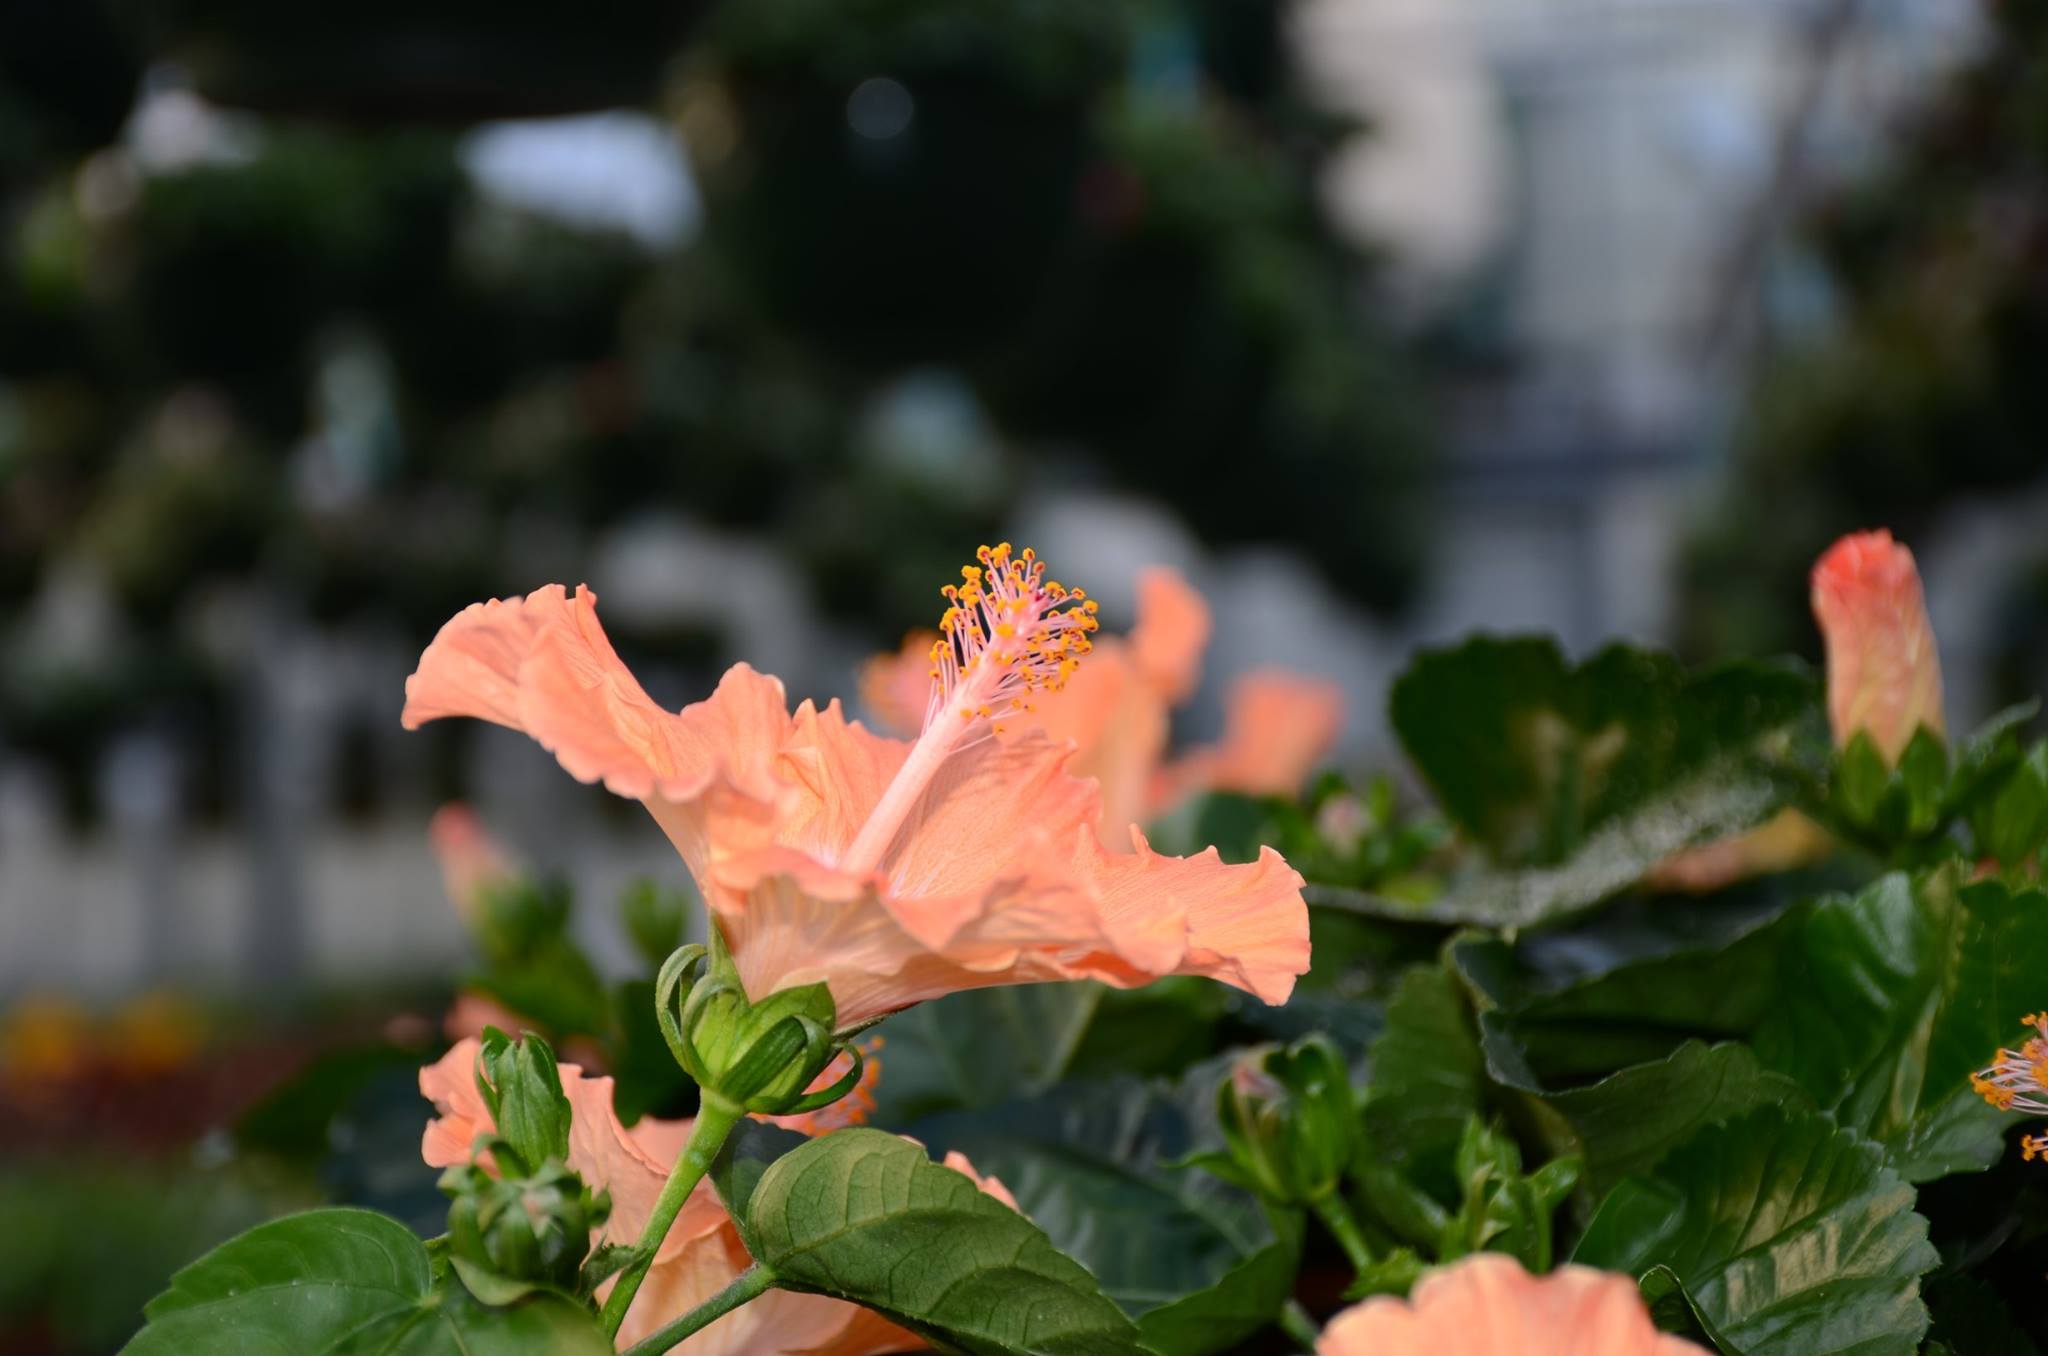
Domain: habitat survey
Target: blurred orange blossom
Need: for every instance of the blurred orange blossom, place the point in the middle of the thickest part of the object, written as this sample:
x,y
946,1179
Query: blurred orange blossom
x,y
1277,727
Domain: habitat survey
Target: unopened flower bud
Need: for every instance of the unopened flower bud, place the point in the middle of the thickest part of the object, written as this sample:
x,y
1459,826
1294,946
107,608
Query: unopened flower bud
x,y
759,1056
1290,1120
527,1228
1884,676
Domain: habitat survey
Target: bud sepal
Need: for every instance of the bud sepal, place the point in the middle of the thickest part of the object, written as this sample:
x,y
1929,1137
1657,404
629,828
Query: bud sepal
x,y
1290,1122
520,1226
760,1057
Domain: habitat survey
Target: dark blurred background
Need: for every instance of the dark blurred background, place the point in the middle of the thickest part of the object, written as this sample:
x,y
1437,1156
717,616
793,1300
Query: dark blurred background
x,y
1382,320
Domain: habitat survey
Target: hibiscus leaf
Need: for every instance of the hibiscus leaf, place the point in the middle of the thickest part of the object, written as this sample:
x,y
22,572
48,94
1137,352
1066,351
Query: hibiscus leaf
x,y
1576,780
1789,1233
1628,1121
1632,985
748,1152
1428,1079
1894,996
347,1281
1675,1311
1197,1262
981,1047
868,1217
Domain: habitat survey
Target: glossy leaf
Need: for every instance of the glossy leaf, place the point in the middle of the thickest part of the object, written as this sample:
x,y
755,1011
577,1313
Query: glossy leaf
x,y
868,1217
1891,1000
1532,755
1789,1233
1197,1262
347,1281
981,1047
1427,1080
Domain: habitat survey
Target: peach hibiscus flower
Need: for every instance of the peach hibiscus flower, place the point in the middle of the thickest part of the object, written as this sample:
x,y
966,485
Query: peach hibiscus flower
x,y
892,871
1115,711
1884,675
702,1252
1487,1305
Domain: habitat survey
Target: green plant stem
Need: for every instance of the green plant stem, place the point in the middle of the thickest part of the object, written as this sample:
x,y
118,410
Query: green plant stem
x,y
1296,1323
745,1286
1335,1213
715,1120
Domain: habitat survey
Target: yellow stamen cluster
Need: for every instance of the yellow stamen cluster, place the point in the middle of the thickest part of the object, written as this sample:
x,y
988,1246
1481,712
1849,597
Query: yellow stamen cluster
x,y
1007,633
2018,1081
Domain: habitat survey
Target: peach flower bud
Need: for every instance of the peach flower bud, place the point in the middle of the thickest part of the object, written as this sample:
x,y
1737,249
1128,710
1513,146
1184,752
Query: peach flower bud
x,y
1884,676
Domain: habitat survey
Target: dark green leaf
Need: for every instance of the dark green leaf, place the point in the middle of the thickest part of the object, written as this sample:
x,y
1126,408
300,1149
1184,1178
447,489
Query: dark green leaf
x,y
1790,1234
982,1047
296,1118
747,1153
1532,756
1630,986
1971,1318
866,1216
1675,1311
1629,1121
1089,1165
1427,1079
346,1281
1895,996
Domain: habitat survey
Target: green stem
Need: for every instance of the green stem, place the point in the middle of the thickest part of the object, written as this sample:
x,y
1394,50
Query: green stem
x,y
1296,1323
715,1120
1335,1213
745,1286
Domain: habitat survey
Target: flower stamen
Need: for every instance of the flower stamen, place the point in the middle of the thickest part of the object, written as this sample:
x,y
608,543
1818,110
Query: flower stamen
x,y
2018,1081
1008,632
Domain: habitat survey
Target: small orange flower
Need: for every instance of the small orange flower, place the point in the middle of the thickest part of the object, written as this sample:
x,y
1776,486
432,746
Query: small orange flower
x,y
894,872
703,1251
1116,711
1487,1305
2018,1081
1884,675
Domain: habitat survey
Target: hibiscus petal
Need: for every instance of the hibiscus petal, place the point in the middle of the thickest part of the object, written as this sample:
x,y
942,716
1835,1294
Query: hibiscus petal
x,y
1171,632
1246,925
1277,727
1487,1305
542,665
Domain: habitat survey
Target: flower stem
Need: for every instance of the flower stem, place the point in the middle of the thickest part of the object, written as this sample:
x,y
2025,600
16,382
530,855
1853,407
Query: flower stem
x,y
1335,1213
1296,1323
745,1286
715,1120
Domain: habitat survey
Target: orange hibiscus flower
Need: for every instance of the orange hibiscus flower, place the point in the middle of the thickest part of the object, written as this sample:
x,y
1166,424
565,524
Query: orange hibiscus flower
x,y
893,872
1487,1305
1115,711
702,1252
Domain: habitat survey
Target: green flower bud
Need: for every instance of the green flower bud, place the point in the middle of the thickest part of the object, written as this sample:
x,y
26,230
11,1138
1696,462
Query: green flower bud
x,y
527,1228
1290,1120
761,1057
523,1089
